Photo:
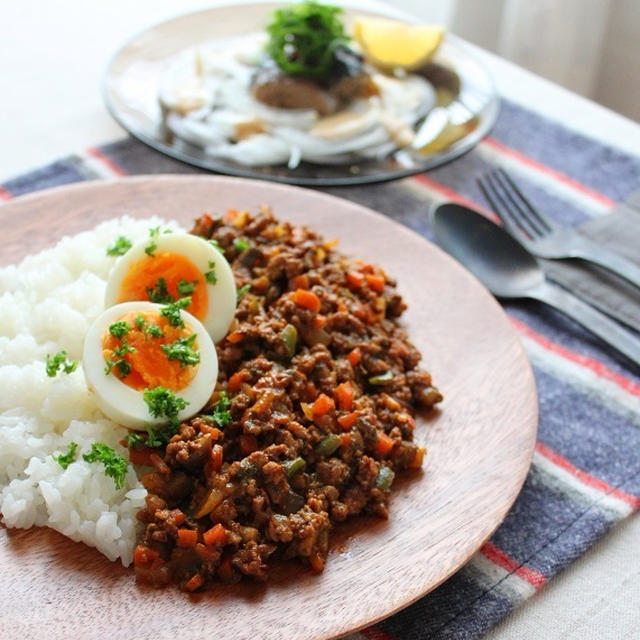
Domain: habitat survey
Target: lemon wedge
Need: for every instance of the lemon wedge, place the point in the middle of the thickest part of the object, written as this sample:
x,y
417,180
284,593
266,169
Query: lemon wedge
x,y
390,44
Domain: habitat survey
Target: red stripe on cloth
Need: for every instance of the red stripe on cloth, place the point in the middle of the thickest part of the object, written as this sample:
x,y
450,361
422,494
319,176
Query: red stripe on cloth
x,y
453,195
98,155
585,478
4,194
499,557
375,633
597,367
560,177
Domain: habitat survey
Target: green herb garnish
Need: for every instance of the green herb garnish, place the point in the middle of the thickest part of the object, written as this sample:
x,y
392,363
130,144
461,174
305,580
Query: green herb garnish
x,y
241,244
183,351
210,276
242,290
119,329
119,247
152,330
216,245
221,414
159,292
123,367
304,36
154,234
115,466
185,287
172,310
140,322
58,361
163,403
65,459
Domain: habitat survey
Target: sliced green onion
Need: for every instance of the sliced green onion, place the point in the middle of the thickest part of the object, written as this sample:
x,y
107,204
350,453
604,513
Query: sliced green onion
x,y
327,446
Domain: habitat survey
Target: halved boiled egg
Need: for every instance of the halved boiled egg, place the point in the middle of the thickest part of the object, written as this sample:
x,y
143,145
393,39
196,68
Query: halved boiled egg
x,y
170,266
135,348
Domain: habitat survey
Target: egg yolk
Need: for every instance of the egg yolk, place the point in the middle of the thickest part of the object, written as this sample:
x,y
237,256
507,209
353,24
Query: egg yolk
x,y
160,277
147,364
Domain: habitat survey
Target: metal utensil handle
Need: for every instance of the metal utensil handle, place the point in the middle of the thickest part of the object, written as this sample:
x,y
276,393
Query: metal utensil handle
x,y
609,260
592,319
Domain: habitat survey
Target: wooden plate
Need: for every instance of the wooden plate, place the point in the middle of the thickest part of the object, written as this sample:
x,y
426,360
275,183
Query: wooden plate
x,y
480,443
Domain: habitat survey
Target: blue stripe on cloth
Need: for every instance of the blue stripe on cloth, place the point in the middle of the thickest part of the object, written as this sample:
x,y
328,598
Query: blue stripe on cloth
x,y
61,172
597,166
460,608
532,532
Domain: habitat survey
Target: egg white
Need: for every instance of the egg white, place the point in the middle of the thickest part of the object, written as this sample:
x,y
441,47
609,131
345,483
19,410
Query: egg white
x,y
122,403
221,295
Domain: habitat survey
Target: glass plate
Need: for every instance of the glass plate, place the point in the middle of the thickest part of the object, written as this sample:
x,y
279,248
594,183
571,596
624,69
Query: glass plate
x,y
133,78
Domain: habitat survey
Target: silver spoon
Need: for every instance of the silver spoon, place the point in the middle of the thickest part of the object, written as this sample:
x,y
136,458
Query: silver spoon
x,y
508,270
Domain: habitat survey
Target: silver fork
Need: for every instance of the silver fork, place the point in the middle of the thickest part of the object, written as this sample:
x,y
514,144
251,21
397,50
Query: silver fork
x,y
541,235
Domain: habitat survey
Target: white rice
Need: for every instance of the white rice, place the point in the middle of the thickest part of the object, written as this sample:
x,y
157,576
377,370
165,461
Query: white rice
x,y
47,303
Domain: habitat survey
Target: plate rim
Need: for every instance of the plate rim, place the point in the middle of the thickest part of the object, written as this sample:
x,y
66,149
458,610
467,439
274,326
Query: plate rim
x,y
522,357
438,159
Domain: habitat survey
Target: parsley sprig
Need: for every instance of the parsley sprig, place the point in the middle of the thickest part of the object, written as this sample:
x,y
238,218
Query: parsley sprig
x,y
115,466
210,276
122,365
65,459
159,292
163,403
221,414
59,361
185,287
119,329
120,246
183,351
171,311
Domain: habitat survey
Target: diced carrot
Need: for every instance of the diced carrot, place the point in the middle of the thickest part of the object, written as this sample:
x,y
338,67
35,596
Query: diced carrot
x,y
354,279
236,380
323,405
141,456
187,537
348,420
194,582
178,516
416,463
248,444
207,554
300,281
214,432
143,556
366,268
216,457
376,282
371,316
345,439
225,568
384,444
231,214
354,356
319,321
342,307
316,562
344,396
235,336
307,300
216,535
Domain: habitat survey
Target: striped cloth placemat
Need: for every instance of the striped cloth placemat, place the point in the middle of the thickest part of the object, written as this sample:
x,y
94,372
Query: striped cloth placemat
x,y
585,475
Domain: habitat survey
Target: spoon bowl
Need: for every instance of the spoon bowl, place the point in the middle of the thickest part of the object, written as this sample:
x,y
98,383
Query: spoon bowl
x,y
504,266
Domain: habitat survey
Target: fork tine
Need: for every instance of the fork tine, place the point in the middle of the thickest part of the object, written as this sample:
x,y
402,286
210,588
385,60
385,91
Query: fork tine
x,y
542,221
492,192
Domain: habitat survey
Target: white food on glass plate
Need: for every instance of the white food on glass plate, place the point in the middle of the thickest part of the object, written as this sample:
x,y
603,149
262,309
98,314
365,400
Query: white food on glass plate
x,y
208,102
204,258
124,404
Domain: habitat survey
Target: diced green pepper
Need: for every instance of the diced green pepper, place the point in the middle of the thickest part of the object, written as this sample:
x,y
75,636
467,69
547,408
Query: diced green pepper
x,y
289,337
382,378
328,445
291,467
385,478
